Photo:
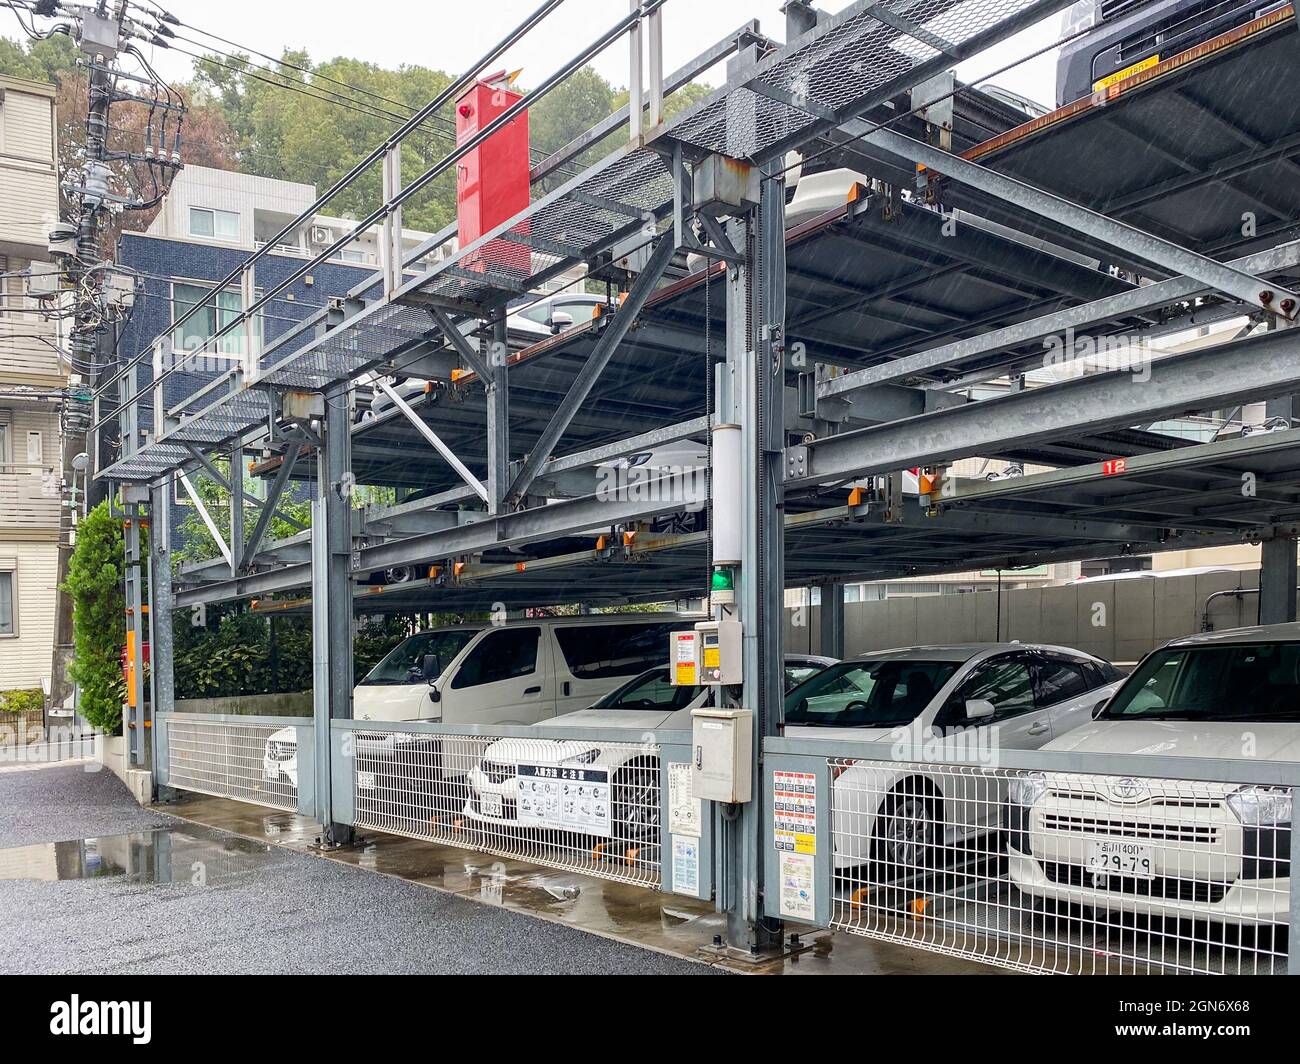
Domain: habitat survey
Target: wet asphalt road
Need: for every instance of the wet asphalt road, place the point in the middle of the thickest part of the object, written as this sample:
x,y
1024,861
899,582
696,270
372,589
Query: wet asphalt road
x,y
149,893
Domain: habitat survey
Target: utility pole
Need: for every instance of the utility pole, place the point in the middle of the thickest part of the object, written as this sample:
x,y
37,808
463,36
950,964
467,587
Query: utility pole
x,y
102,295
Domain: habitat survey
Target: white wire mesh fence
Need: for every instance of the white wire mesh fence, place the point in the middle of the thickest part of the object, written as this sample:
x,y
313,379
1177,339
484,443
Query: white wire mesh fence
x,y
1062,871
585,806
249,762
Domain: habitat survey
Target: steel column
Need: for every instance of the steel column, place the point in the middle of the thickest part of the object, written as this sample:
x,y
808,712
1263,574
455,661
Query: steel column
x,y
830,619
755,347
498,417
161,644
236,509
331,543
1277,580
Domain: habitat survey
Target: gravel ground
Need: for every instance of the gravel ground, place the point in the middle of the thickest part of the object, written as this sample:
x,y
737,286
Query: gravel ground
x,y
209,902
51,803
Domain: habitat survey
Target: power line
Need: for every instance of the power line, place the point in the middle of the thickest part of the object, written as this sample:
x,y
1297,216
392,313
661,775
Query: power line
x,y
448,129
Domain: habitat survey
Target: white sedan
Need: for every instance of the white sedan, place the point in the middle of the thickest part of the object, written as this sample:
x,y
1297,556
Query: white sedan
x,y
895,817
1219,852
596,787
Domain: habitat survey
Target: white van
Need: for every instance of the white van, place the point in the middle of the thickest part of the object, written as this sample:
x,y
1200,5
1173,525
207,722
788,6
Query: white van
x,y
522,672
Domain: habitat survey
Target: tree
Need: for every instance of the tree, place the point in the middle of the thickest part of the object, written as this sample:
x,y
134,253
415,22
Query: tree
x,y
304,127
94,583
196,543
47,60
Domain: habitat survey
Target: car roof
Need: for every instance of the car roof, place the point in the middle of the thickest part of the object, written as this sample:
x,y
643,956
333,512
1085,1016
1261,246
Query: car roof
x,y
583,619
959,651
1260,633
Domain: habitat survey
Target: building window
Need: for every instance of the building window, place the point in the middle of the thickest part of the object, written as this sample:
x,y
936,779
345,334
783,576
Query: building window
x,y
193,334
5,458
205,221
8,603
353,256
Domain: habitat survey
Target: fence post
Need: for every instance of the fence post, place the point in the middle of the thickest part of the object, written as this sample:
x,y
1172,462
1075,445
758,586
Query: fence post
x,y
1293,901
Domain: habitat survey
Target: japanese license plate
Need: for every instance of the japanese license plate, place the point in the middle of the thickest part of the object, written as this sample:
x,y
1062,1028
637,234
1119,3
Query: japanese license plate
x,y
491,804
1118,858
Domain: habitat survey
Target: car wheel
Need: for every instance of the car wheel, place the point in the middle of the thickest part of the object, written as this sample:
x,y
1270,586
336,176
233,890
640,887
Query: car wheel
x,y
634,810
903,840
400,574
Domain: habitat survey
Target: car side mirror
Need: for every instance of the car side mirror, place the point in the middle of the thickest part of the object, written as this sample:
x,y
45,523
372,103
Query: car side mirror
x,y
979,708
560,320
430,667
1097,709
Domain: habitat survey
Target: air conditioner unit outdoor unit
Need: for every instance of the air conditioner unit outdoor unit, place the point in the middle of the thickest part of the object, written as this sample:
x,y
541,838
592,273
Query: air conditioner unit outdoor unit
x,y
321,235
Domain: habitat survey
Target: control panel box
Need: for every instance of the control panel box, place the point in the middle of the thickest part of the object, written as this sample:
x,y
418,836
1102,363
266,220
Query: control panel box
x,y
722,744
720,652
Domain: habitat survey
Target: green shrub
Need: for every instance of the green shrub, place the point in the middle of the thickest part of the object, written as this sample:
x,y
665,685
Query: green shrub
x,y
98,617
23,700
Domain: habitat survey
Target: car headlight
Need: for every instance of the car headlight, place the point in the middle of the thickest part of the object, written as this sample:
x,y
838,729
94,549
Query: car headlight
x,y
1258,806
1027,789
587,756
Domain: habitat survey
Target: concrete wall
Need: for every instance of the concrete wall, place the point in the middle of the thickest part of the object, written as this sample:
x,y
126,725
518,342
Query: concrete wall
x,y
1119,620
295,704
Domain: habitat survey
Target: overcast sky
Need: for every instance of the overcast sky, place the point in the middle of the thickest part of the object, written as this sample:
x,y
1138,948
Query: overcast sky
x,y
449,34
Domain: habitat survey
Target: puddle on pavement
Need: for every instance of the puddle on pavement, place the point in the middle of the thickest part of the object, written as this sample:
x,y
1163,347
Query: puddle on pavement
x,y
148,857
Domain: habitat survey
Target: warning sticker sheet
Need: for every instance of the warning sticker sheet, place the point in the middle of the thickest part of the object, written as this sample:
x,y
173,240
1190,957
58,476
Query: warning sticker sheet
x,y
794,820
798,900
685,811
563,796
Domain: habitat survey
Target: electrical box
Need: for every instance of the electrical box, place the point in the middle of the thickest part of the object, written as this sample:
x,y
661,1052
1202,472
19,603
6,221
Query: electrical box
x,y
720,651
492,180
684,658
723,750
725,186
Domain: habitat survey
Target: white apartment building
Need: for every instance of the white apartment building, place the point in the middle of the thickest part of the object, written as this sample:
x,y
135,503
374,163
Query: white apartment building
x,y
32,378
244,211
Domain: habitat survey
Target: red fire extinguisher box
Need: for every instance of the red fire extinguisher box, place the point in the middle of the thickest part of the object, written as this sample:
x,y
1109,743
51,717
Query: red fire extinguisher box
x,y
492,179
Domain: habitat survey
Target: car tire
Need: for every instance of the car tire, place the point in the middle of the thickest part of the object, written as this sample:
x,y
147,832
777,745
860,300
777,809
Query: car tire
x,y
903,838
634,810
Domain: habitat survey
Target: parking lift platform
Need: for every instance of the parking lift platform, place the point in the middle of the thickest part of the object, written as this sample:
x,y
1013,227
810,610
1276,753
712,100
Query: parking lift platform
x,y
875,282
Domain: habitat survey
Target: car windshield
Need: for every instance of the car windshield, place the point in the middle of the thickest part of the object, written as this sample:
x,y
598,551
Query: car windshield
x,y
881,693
403,663
1246,681
650,690
796,674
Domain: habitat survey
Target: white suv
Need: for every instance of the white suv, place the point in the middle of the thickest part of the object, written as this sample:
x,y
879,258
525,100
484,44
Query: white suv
x,y
1166,848
522,672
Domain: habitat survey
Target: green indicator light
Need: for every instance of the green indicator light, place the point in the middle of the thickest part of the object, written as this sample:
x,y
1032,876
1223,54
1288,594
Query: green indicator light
x,y
723,580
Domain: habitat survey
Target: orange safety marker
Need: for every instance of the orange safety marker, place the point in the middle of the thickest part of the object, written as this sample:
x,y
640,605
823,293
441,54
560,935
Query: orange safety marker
x,y
856,496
